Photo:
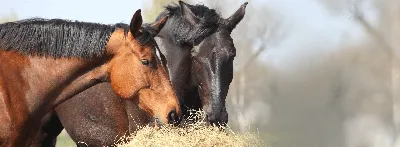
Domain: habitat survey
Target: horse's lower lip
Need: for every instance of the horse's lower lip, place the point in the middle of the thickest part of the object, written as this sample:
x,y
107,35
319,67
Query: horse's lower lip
x,y
156,123
219,123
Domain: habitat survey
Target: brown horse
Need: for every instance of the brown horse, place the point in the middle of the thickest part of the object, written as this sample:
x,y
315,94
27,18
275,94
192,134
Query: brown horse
x,y
199,49
45,62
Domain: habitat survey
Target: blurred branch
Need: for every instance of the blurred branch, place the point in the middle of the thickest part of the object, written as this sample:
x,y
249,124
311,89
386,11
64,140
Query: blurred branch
x,y
270,36
386,44
254,56
239,88
359,17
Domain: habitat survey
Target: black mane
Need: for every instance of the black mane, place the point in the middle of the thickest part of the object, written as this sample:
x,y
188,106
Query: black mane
x,y
59,38
182,32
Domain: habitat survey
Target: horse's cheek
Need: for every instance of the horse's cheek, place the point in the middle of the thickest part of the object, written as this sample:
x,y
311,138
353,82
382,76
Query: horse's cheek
x,y
124,82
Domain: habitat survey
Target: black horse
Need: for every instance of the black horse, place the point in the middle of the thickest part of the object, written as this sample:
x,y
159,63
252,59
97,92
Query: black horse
x,y
197,44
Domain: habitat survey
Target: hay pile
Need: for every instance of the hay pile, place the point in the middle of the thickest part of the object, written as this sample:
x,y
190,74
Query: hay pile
x,y
196,134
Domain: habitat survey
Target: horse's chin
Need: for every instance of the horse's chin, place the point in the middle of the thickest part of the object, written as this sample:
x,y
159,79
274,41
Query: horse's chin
x,y
156,123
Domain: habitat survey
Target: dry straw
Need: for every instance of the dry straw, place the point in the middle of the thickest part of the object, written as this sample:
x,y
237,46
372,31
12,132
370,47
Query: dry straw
x,y
196,134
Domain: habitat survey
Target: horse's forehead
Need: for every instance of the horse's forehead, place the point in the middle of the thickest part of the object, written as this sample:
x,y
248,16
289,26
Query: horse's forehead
x,y
146,50
226,42
223,44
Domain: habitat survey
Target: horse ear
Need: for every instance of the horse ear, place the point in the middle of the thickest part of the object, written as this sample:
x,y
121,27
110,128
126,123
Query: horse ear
x,y
188,14
157,26
236,17
136,23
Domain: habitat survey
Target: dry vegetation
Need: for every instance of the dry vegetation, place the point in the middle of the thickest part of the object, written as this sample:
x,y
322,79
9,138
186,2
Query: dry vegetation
x,y
197,134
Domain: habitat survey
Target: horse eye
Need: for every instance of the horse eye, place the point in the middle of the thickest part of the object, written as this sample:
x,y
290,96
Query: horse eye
x,y
145,62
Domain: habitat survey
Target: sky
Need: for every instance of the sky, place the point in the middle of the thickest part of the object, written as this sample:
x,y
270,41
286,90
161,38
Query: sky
x,y
101,11
307,21
310,29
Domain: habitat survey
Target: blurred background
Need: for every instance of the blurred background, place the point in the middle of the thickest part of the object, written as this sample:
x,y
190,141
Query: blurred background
x,y
310,73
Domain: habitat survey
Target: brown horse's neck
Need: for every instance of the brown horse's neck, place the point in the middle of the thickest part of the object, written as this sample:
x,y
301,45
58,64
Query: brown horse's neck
x,y
46,82
64,77
31,86
95,70
56,80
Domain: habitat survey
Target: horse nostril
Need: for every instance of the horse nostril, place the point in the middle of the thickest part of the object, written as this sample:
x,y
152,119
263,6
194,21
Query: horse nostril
x,y
171,115
173,118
